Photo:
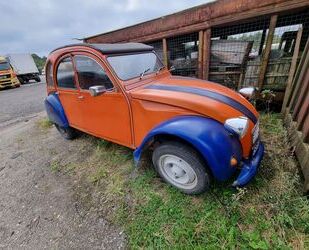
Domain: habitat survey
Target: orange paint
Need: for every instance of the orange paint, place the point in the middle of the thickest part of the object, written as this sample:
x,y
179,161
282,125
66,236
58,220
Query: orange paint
x,y
129,112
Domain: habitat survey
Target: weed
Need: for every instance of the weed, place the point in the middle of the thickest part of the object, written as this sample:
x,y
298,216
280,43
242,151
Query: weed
x,y
55,166
98,175
45,123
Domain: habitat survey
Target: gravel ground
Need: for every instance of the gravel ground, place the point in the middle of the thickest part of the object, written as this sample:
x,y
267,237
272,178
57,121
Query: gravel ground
x,y
38,208
20,103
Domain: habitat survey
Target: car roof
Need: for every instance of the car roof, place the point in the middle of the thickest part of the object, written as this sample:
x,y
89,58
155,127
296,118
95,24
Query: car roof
x,y
112,48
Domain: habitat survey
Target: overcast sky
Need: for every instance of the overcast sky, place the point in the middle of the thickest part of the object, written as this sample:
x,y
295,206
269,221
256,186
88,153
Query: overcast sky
x,y
38,26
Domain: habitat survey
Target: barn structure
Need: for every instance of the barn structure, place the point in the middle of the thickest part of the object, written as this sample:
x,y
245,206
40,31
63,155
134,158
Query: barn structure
x,y
233,42
238,43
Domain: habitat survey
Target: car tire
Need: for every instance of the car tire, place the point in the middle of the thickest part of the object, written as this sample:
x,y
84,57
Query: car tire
x,y
37,79
67,133
182,167
21,80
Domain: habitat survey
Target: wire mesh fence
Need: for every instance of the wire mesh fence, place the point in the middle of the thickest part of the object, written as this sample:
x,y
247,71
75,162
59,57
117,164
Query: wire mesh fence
x,y
236,51
182,54
158,47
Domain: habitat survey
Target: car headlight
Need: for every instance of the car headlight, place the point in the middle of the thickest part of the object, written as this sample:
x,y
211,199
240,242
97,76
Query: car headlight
x,y
237,126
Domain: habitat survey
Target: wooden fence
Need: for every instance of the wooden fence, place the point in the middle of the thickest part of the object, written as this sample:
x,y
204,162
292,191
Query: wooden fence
x,y
296,113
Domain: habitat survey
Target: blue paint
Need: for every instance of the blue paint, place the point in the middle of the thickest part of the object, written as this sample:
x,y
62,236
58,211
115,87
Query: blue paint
x,y
210,94
55,111
250,168
206,135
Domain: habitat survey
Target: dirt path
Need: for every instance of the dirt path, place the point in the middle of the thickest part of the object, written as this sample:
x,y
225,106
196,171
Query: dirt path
x,y
37,206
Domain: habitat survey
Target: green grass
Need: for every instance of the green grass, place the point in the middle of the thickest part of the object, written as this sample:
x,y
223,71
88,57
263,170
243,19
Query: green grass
x,y
45,123
270,213
55,166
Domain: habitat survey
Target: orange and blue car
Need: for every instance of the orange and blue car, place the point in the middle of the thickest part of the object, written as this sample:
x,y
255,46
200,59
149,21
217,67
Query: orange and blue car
x,y
195,130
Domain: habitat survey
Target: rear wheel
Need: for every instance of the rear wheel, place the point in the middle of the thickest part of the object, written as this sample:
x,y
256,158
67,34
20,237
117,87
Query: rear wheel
x,y
21,80
37,79
182,167
67,133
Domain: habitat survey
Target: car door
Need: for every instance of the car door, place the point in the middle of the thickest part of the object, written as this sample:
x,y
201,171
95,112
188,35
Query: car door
x,y
67,90
106,115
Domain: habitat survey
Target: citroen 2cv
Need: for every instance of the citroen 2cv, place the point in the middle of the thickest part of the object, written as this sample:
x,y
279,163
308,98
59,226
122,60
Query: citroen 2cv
x,y
196,130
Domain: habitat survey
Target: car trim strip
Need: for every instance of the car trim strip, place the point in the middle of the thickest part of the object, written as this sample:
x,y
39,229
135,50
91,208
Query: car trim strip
x,y
210,94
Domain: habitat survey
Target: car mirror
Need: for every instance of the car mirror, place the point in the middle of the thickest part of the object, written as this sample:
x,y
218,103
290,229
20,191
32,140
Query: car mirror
x,y
97,90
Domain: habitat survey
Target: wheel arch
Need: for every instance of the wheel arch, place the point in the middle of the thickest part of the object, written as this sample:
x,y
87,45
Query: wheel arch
x,y
158,139
55,111
205,135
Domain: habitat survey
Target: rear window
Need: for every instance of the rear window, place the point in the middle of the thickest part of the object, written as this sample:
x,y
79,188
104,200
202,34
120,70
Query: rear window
x,y
49,74
65,74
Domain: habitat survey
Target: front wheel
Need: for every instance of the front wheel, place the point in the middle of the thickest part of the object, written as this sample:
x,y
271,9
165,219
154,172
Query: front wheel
x,y
180,166
67,133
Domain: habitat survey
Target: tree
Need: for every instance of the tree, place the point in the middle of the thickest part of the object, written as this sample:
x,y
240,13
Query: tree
x,y
39,61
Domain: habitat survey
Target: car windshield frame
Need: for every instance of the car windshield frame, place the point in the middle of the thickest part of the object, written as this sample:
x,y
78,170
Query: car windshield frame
x,y
5,63
141,74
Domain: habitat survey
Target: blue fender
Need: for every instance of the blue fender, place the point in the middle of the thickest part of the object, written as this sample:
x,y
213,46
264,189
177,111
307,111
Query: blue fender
x,y
55,111
207,136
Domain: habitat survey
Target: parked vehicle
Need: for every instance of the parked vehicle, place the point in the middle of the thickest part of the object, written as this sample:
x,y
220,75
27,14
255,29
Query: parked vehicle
x,y
24,66
196,130
7,75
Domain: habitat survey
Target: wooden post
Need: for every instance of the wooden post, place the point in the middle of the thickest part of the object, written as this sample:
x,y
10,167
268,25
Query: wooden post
x,y
200,54
165,58
292,69
206,53
244,66
262,41
301,70
265,57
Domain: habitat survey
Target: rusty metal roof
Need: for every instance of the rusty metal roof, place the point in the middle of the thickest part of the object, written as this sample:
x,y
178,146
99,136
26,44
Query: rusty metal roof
x,y
213,14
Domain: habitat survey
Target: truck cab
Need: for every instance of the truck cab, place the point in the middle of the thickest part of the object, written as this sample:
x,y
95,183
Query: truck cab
x,y
8,77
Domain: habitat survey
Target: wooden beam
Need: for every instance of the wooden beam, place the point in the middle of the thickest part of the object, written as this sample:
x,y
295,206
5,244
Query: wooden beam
x,y
262,42
218,13
301,149
206,53
266,53
244,66
292,69
200,54
298,79
165,57
302,95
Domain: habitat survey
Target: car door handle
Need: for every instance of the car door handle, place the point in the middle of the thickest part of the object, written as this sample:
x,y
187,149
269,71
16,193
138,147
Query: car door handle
x,y
80,97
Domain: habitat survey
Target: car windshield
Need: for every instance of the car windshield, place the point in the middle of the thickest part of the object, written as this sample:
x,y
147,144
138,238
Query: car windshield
x,y
4,66
134,65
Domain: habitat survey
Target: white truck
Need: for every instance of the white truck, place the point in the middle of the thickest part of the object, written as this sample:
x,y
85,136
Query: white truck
x,y
24,67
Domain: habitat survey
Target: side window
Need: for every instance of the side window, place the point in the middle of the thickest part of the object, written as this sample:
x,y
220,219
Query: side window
x,y
90,73
65,74
49,74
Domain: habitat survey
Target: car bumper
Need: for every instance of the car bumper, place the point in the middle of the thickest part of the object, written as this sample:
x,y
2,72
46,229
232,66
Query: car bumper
x,y
250,168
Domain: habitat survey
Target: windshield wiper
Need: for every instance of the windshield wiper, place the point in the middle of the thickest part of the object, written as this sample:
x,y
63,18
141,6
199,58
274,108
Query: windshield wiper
x,y
159,69
143,73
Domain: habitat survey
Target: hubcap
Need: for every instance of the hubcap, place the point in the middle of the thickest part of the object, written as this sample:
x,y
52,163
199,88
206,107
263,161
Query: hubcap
x,y
177,171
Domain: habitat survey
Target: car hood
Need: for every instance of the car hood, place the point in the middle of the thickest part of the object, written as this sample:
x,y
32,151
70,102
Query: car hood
x,y
197,96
